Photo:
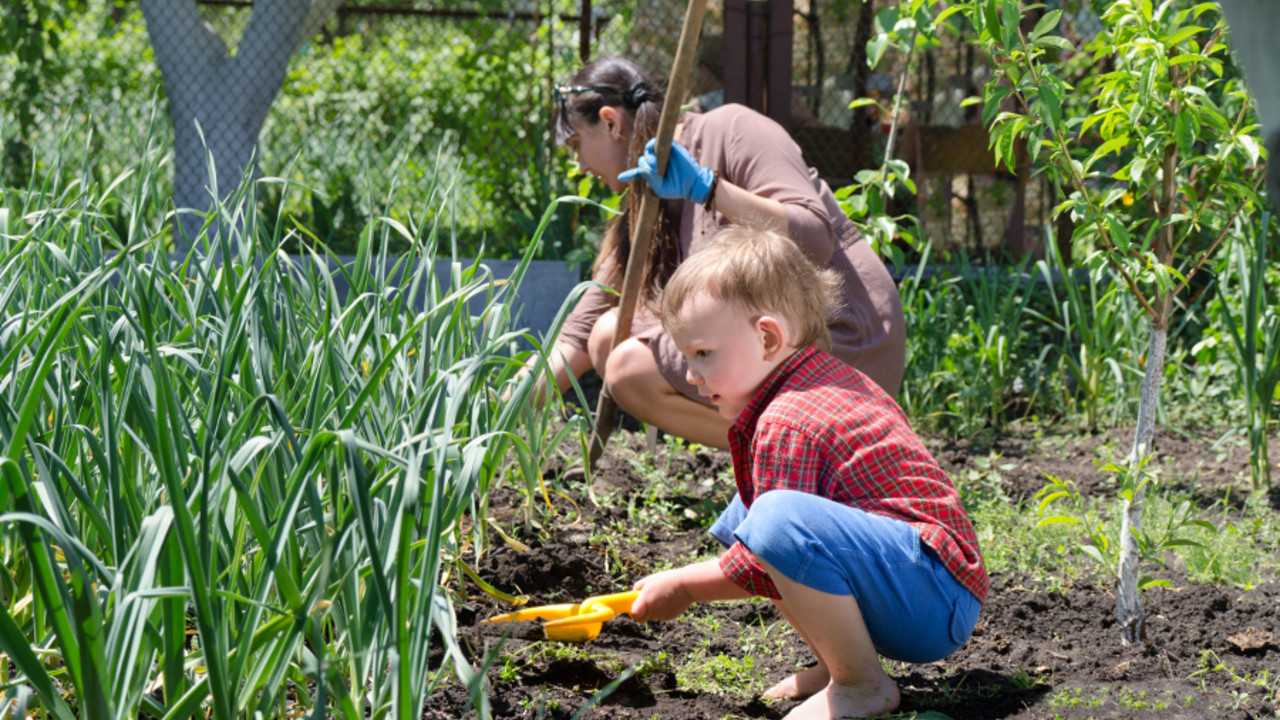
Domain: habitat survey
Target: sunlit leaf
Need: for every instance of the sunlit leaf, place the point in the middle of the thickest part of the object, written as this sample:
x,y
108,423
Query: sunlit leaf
x,y
1183,34
1119,233
1057,520
1047,24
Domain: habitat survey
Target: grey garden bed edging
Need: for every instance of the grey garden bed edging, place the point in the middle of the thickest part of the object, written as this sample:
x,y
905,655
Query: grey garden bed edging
x,y
546,284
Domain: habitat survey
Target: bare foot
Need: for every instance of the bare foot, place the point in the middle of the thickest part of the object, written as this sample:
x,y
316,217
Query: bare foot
x,y
844,702
801,685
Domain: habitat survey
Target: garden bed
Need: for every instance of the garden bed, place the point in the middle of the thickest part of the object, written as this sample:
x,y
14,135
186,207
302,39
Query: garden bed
x,y
1045,646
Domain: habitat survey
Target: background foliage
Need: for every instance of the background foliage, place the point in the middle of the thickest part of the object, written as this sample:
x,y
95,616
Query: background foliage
x,y
402,102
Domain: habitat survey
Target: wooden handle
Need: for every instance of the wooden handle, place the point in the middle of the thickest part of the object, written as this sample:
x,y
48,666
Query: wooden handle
x,y
642,231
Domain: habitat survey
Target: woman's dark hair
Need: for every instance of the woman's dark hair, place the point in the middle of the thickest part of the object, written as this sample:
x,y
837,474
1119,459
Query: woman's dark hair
x,y
621,83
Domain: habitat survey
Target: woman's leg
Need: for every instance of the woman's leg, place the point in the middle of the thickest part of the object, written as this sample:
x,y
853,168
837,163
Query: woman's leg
x,y
637,385
601,339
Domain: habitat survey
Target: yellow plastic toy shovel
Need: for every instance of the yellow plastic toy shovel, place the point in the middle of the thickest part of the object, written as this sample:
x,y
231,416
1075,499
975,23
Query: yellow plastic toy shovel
x,y
574,622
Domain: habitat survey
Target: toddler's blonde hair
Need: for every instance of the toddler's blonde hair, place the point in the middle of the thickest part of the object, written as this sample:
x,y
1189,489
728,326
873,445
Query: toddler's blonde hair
x,y
760,271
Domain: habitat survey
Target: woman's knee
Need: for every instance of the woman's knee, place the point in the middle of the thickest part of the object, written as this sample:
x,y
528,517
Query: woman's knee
x,y
600,342
631,372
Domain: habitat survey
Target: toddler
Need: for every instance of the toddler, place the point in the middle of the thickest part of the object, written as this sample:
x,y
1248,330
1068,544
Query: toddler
x,y
842,516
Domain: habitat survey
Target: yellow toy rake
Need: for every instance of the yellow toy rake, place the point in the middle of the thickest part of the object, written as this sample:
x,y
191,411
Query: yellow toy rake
x,y
574,622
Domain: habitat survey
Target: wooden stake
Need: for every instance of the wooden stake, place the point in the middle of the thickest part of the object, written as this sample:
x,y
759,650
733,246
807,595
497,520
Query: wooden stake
x,y
642,230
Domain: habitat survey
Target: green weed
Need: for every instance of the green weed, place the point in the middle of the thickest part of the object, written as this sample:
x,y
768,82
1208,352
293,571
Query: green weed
x,y
655,665
776,640
1238,549
1255,333
1007,530
1129,699
1258,692
1161,533
721,675
1022,680
1077,697
1124,697
1100,323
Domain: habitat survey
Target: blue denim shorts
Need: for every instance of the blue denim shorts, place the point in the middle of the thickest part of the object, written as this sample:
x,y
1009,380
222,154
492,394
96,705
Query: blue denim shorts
x,y
914,610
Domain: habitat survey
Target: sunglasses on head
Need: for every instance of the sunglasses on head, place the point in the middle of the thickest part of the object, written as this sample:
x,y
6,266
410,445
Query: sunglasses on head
x,y
564,91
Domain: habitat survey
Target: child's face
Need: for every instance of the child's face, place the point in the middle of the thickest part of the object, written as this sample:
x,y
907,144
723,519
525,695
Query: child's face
x,y
731,351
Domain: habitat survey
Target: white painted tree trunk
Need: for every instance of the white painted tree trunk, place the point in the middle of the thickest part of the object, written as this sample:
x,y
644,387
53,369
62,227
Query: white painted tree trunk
x,y
1129,612
226,97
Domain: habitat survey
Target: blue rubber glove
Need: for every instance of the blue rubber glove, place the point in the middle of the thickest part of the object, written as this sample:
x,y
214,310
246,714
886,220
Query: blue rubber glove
x,y
685,177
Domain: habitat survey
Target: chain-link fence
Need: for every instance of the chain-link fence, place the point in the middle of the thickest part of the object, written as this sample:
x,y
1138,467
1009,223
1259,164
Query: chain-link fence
x,y
451,95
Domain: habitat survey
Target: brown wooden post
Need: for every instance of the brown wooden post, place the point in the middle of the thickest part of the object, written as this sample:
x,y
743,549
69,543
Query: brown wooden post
x,y
860,122
735,51
781,29
584,31
1063,231
757,53
757,56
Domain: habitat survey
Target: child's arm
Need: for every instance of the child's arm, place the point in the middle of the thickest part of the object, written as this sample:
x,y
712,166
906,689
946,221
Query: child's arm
x,y
666,595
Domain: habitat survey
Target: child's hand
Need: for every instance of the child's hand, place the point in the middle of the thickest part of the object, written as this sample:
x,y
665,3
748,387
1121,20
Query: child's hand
x,y
663,596
666,595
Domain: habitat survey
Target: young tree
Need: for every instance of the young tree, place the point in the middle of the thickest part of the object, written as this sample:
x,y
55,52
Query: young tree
x,y
219,100
1166,128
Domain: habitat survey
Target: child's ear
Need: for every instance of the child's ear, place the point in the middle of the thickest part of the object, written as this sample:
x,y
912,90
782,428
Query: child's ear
x,y
774,337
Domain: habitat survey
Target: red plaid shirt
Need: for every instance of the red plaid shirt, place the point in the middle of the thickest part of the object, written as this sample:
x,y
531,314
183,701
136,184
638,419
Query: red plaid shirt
x,y
822,427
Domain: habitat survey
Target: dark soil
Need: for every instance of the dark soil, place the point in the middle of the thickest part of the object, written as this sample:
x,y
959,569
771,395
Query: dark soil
x,y
1034,654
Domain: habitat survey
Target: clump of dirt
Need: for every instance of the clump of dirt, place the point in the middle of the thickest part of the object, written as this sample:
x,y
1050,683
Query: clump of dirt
x,y
557,573
1035,653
